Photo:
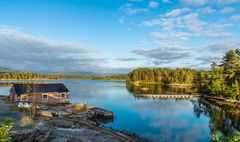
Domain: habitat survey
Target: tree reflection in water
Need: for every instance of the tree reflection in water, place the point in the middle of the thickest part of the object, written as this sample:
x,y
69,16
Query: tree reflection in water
x,y
224,118
158,89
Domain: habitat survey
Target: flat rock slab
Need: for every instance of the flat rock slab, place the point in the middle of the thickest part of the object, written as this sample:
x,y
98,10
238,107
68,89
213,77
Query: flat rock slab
x,y
31,136
61,123
81,135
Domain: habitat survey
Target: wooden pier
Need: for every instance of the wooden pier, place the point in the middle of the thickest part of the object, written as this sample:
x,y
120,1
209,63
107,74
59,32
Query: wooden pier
x,y
167,96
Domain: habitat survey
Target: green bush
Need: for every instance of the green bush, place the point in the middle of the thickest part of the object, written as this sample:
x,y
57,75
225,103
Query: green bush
x,y
235,137
4,130
23,109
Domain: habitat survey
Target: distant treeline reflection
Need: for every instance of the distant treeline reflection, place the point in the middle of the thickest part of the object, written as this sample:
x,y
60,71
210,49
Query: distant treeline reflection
x,y
158,89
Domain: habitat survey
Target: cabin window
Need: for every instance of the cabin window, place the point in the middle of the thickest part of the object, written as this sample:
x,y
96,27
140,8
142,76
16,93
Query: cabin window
x,y
24,97
45,96
63,95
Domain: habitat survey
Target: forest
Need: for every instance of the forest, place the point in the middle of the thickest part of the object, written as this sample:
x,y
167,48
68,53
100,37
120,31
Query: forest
x,y
24,76
223,80
37,76
162,76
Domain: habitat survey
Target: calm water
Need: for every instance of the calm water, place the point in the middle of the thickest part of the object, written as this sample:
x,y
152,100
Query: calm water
x,y
168,120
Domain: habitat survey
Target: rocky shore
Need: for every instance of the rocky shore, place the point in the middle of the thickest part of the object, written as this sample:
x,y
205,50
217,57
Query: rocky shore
x,y
66,123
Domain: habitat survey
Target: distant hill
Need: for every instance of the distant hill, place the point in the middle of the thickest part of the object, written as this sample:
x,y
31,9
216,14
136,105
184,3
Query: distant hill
x,y
83,73
106,72
4,69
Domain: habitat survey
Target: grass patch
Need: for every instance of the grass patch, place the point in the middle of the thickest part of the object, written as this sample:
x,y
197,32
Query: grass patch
x,y
80,107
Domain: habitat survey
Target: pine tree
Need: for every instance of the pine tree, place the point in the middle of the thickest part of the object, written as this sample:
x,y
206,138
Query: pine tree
x,y
236,90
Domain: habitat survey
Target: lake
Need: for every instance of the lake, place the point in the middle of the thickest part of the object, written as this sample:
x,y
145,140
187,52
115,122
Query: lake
x,y
160,120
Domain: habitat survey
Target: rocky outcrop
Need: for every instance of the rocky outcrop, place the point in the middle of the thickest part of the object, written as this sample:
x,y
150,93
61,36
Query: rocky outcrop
x,y
55,134
31,136
61,123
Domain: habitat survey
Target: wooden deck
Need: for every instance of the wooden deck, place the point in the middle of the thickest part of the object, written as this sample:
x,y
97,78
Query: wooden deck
x,y
167,96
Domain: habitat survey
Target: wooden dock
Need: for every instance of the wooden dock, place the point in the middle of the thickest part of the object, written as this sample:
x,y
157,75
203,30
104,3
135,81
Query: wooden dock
x,y
167,96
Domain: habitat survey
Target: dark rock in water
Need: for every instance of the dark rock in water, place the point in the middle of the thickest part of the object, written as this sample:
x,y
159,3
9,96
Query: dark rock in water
x,y
32,136
61,123
101,115
92,116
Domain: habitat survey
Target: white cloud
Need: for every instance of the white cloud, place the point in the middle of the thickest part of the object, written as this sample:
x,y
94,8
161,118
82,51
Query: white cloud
x,y
207,59
170,35
153,4
187,25
206,10
25,52
191,22
213,34
127,59
166,1
177,12
181,56
226,2
131,10
164,54
227,10
152,22
221,46
174,13
121,20
235,17
194,2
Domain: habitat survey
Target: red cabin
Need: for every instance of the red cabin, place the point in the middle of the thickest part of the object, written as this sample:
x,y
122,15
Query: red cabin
x,y
52,93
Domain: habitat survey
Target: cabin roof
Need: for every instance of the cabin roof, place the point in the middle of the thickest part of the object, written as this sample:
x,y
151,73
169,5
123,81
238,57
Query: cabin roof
x,y
39,88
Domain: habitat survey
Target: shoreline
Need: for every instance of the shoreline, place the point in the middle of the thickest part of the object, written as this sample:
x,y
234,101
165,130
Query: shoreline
x,y
158,83
220,99
78,126
120,80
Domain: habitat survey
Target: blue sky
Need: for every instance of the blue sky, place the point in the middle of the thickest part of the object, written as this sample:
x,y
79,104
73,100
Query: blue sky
x,y
116,35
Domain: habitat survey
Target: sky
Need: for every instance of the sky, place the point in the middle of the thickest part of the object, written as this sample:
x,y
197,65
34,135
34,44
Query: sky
x,y
116,36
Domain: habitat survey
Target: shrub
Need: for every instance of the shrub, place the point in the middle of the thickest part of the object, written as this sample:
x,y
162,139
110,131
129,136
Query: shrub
x,y
4,130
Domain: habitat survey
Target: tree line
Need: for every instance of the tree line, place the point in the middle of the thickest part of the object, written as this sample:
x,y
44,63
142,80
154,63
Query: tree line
x,y
162,75
37,76
24,76
222,80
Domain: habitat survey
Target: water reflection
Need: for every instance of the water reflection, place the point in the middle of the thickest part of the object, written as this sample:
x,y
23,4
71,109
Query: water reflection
x,y
191,120
171,120
224,119
157,89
